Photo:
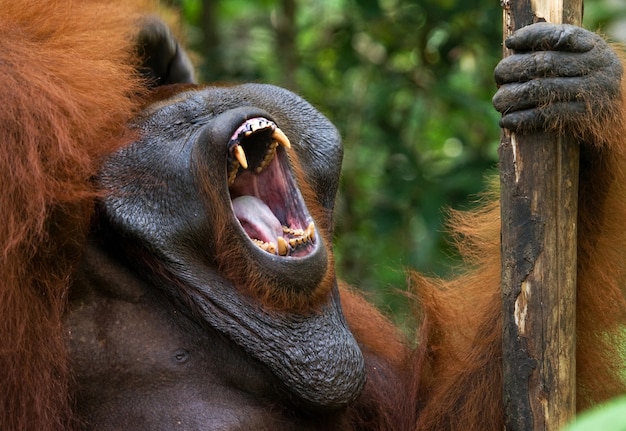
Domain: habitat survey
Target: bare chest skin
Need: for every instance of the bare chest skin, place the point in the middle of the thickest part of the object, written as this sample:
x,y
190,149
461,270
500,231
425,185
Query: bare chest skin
x,y
140,364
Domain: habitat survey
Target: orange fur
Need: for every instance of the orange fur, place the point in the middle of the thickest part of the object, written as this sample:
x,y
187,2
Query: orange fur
x,y
376,333
244,275
68,86
460,383
388,401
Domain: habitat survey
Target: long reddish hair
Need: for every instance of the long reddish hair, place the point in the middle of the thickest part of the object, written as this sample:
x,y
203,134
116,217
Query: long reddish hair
x,y
68,88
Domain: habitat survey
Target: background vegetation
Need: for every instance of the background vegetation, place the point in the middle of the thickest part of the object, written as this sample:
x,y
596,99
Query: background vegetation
x,y
408,84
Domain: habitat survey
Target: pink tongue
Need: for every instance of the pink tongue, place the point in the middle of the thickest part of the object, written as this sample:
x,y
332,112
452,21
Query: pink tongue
x,y
257,219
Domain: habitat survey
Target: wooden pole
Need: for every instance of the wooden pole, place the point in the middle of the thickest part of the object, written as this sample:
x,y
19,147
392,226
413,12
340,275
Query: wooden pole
x,y
539,189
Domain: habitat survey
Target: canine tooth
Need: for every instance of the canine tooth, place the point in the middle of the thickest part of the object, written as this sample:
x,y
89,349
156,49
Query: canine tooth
x,y
281,138
282,246
240,155
310,231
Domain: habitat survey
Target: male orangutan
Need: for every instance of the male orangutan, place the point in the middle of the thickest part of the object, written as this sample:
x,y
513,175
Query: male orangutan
x,y
166,257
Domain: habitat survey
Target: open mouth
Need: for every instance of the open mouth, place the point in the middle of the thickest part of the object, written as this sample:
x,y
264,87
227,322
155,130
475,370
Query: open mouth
x,y
264,195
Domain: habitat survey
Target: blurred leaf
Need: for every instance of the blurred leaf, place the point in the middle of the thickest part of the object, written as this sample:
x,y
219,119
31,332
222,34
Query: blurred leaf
x,y
607,417
409,84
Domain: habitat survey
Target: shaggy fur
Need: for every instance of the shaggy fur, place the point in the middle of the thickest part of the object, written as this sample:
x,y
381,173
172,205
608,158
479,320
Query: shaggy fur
x,y
463,348
70,86
68,89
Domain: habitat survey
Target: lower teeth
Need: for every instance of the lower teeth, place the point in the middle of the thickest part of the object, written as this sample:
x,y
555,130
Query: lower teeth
x,y
284,246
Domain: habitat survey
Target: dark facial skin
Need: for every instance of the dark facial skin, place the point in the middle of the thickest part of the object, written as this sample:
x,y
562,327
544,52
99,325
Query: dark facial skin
x,y
179,318
182,316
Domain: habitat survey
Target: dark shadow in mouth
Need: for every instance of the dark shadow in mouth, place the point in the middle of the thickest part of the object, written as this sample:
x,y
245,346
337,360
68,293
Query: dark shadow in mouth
x,y
264,194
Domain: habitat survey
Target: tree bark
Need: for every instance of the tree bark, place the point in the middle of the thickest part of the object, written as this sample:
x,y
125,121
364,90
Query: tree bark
x,y
539,188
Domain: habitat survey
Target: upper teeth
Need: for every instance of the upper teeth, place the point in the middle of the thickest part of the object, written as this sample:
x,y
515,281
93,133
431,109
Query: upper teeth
x,y
247,129
240,155
281,138
269,156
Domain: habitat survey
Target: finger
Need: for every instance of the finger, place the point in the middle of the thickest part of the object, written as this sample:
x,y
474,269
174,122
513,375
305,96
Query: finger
x,y
554,116
524,67
521,96
544,36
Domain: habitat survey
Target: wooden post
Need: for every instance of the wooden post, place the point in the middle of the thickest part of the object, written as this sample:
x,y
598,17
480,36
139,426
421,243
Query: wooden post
x,y
539,189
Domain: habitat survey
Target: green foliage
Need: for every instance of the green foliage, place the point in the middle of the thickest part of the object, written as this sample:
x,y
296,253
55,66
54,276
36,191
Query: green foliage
x,y
608,417
408,84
